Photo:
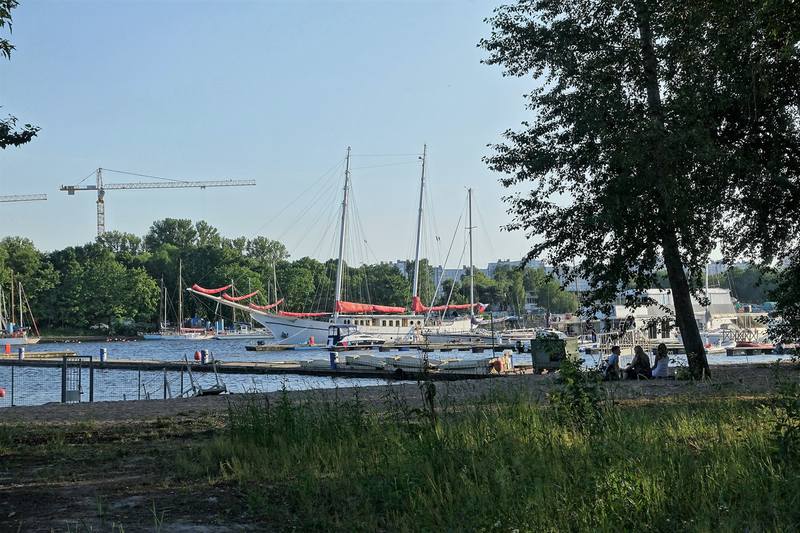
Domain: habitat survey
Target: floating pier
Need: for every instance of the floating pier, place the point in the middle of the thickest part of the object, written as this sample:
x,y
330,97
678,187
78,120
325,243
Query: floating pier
x,y
254,367
390,347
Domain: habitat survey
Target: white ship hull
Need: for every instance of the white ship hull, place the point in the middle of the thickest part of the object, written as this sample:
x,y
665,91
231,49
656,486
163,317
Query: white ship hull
x,y
176,336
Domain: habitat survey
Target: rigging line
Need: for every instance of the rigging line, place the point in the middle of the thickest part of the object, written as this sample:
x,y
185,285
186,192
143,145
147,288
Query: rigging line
x,y
331,170
145,175
449,250
404,163
386,155
452,287
310,208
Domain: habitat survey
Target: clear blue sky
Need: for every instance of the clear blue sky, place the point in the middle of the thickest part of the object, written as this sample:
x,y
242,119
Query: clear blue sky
x,y
272,91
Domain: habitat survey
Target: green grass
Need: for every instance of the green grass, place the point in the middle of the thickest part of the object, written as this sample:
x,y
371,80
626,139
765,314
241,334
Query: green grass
x,y
504,464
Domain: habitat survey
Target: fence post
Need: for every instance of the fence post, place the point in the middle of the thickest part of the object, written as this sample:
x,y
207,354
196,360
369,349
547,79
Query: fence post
x,y
165,383
91,379
12,385
139,387
64,379
181,393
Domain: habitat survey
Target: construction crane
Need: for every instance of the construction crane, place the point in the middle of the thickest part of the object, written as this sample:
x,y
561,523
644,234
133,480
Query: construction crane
x,y
23,198
102,187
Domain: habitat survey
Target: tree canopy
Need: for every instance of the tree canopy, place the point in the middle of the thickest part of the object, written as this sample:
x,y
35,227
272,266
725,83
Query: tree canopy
x,y
10,134
658,131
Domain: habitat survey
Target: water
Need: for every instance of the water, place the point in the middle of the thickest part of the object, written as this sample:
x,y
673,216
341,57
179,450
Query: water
x,y
35,386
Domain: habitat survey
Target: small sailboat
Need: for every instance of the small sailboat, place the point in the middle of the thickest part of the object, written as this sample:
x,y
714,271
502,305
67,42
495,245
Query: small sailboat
x,y
16,333
178,333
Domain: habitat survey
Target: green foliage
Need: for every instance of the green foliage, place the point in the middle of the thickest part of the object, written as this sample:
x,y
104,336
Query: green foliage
x,y
9,135
786,324
578,400
502,465
646,146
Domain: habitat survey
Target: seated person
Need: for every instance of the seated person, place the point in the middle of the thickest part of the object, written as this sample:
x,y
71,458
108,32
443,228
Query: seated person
x,y
661,367
639,367
611,371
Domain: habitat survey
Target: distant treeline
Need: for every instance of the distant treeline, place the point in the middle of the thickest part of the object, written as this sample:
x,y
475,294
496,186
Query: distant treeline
x,y
116,280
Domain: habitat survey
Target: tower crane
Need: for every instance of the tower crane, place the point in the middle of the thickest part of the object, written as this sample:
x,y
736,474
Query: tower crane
x,y
23,198
101,188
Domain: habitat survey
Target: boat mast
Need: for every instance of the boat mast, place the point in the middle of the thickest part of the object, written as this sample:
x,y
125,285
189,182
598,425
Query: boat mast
x,y
415,286
471,268
19,293
342,236
180,296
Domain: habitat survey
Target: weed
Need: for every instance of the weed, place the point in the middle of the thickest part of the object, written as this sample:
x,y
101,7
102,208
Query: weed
x,y
578,400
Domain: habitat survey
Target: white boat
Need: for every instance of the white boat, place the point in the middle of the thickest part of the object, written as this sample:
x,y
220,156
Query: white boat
x,y
11,333
179,333
382,323
243,332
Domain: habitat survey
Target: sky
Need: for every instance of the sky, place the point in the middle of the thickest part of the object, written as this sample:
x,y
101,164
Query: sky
x,y
270,91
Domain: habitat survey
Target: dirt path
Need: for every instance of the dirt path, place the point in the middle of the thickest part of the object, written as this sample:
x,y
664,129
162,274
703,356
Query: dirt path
x,y
732,379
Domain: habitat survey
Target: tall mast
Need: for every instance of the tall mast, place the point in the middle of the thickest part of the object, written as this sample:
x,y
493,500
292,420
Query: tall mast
x,y
415,286
342,236
471,267
19,293
163,304
180,295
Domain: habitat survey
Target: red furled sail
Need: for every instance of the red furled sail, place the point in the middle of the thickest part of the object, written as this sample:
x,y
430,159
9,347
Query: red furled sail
x,y
265,307
417,307
230,298
353,307
300,315
198,288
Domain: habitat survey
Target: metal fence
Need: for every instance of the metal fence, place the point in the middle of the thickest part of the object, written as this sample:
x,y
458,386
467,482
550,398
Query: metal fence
x,y
78,379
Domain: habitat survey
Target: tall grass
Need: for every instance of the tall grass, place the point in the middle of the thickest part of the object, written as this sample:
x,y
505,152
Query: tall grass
x,y
503,464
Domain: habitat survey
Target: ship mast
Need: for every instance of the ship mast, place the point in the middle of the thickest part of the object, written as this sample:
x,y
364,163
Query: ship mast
x,y
342,236
471,267
180,296
415,286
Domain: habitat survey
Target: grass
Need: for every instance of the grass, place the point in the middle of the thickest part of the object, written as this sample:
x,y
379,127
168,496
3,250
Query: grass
x,y
503,464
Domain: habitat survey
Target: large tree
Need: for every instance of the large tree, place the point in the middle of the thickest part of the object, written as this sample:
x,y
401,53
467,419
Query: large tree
x,y
10,135
655,125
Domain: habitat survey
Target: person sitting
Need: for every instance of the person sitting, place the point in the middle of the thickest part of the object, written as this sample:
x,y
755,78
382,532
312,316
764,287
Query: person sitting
x,y
611,371
661,367
639,367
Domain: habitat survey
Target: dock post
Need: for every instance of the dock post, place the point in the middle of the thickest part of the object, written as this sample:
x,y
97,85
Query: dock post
x,y
333,356
64,380
21,353
12,386
181,393
165,383
103,355
139,386
91,379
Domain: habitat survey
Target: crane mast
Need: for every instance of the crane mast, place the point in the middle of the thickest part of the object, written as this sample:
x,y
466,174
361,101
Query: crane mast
x,y
101,187
23,198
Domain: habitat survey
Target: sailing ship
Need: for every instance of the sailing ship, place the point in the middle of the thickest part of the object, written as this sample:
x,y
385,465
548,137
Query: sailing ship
x,y
179,333
381,322
11,333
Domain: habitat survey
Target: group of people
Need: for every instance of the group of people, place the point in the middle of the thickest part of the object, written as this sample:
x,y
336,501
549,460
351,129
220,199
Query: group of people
x,y
639,367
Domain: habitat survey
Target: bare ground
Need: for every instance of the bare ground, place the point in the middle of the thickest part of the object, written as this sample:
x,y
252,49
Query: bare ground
x,y
108,466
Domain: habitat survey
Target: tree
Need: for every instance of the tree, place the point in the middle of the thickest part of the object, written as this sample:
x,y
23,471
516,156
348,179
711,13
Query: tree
x,y
654,126
178,232
9,134
786,322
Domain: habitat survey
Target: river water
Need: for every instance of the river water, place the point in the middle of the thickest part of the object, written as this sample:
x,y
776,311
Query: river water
x,y
35,386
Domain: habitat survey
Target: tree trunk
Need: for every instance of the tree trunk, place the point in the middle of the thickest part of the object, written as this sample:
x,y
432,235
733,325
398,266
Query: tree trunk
x,y
684,310
681,295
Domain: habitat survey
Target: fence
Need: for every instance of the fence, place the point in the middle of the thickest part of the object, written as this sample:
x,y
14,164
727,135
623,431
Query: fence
x,y
78,379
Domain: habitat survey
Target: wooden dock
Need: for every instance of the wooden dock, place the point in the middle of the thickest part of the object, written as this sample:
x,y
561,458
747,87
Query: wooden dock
x,y
254,367
393,347
744,351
